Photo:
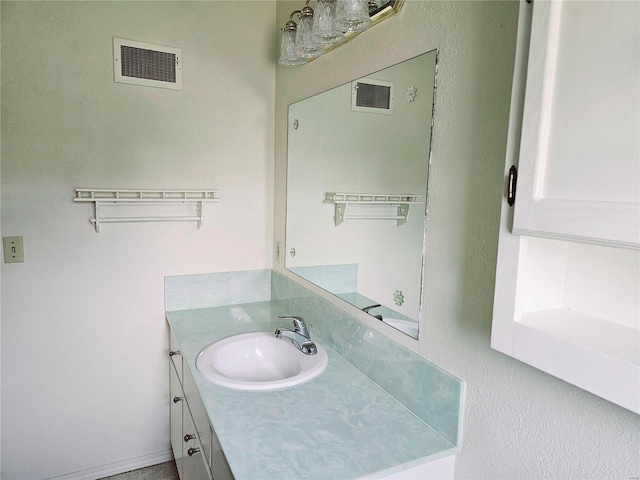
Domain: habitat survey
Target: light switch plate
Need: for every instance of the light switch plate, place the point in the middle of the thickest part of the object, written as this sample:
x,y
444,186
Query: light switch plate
x,y
13,249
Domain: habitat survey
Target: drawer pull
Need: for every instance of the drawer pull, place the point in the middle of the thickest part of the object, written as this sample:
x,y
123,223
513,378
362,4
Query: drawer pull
x,y
188,437
192,450
177,399
174,352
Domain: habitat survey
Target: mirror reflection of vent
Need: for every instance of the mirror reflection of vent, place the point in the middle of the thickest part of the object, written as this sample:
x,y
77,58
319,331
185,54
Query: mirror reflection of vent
x,y
371,95
146,64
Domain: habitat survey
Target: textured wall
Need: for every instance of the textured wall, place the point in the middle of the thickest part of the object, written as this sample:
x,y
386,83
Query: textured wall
x,y
84,369
519,422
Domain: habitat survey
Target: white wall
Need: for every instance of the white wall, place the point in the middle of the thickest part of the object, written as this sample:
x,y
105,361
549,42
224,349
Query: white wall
x,y
84,369
519,422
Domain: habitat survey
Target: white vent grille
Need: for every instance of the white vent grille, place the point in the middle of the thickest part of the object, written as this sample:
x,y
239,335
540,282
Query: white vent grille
x,y
146,64
373,96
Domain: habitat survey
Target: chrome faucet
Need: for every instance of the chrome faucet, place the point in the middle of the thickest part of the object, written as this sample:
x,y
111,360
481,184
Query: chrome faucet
x,y
366,310
299,335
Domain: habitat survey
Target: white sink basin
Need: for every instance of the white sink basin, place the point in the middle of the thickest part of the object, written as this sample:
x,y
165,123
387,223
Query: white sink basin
x,y
407,326
258,361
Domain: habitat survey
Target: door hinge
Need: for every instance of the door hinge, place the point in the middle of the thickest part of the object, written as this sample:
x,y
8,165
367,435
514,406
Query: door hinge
x,y
511,185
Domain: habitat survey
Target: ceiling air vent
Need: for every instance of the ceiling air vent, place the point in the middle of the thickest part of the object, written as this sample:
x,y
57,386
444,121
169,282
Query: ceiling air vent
x,y
146,64
371,95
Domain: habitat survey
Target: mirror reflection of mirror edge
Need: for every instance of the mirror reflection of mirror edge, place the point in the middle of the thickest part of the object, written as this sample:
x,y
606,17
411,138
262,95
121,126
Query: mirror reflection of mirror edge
x,y
346,305
426,199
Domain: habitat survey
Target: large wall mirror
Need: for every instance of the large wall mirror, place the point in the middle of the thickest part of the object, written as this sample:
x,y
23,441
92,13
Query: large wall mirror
x,y
357,175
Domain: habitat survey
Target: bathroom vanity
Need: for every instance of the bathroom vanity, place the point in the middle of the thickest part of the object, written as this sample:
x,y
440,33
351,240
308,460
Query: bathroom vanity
x,y
341,424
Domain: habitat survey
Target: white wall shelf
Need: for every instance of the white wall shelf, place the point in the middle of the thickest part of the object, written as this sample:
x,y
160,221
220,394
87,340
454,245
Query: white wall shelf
x,y
144,201
400,202
595,354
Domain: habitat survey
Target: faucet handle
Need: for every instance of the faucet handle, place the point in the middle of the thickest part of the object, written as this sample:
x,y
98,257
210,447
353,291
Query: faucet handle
x,y
298,325
370,307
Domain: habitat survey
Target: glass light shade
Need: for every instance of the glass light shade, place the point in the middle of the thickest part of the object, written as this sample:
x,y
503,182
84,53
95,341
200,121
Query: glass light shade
x,y
305,47
288,55
352,15
323,32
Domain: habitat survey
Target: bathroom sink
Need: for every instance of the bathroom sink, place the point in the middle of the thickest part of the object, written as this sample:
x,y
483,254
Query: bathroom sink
x,y
258,361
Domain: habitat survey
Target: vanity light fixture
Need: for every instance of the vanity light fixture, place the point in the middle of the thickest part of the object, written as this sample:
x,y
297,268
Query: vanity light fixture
x,y
288,52
352,15
324,31
318,30
305,46
332,23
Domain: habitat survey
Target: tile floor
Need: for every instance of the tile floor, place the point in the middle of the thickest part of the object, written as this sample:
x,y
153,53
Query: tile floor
x,y
162,471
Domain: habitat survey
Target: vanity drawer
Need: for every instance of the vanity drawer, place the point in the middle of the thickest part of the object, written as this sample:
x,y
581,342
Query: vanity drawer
x,y
198,412
175,414
195,465
210,444
174,354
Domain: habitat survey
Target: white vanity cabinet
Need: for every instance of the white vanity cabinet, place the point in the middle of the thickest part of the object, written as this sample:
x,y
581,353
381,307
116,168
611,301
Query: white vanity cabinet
x,y
567,296
196,450
189,454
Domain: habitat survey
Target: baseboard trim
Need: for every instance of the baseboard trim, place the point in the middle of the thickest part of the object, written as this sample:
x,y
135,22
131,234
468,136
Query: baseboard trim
x,y
102,471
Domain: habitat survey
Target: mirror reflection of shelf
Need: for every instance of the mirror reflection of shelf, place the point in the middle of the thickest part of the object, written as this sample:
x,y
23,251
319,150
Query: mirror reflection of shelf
x,y
144,199
400,203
